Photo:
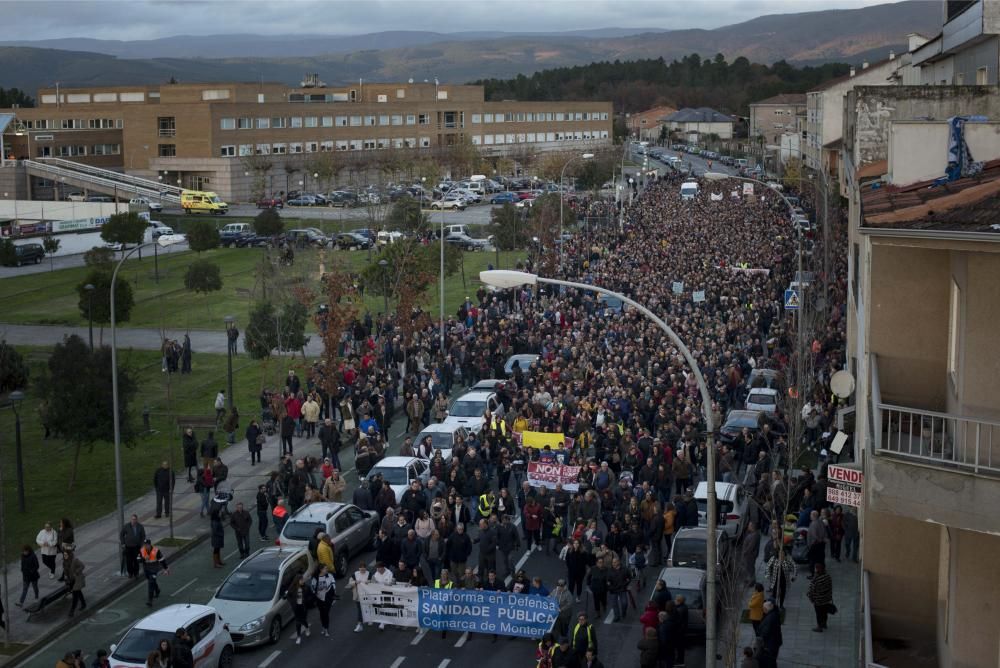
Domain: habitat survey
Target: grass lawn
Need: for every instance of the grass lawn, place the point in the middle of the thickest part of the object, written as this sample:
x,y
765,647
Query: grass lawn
x,y
47,464
51,298
358,219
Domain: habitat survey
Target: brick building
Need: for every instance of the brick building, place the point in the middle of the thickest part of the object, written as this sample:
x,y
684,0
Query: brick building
x,y
646,125
775,116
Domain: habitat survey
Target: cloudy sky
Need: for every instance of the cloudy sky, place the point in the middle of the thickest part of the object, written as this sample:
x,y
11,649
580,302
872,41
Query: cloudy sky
x,y
136,19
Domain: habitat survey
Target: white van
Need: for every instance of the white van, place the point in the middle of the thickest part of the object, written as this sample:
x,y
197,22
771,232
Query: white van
x,y
689,189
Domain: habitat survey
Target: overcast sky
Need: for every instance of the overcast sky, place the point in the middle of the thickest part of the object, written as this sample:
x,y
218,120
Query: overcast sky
x,y
132,19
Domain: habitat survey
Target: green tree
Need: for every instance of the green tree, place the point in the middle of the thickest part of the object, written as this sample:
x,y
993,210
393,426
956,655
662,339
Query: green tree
x,y
261,334
268,223
124,228
202,277
13,369
79,408
406,215
508,228
202,235
291,325
410,266
51,246
100,257
101,280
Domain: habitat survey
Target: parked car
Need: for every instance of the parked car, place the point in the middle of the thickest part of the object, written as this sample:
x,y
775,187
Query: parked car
x,y
731,502
691,584
310,237
450,203
208,629
351,529
466,242
270,203
504,198
443,437
253,241
762,399
766,378
99,198
343,198
143,202
251,599
76,196
399,472
302,200
230,234
689,548
29,253
156,229
351,241
736,420
468,410
386,237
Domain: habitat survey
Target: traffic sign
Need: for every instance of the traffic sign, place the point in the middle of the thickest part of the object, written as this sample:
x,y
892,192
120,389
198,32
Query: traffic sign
x,y
791,300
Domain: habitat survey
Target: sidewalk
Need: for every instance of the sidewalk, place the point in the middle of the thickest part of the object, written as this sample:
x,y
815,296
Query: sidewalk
x,y
834,648
97,541
202,341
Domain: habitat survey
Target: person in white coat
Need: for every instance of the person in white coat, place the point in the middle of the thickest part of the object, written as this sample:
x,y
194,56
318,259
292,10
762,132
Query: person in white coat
x,y
48,546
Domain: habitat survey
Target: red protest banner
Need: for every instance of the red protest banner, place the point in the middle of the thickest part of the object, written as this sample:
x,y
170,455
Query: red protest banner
x,y
547,474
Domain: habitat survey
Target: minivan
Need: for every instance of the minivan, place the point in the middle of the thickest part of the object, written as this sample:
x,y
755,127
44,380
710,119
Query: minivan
x,y
689,189
197,201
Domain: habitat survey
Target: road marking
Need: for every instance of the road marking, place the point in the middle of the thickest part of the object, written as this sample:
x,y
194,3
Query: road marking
x,y
193,580
271,657
461,641
419,637
444,664
230,555
398,662
520,562
610,618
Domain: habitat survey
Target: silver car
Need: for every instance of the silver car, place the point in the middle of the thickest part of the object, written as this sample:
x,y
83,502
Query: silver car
x,y
252,599
351,529
689,583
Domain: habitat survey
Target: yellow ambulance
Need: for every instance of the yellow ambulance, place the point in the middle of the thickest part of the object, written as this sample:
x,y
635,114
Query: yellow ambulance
x,y
198,201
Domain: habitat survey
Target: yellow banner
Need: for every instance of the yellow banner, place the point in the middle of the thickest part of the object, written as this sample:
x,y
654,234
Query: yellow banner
x,y
539,439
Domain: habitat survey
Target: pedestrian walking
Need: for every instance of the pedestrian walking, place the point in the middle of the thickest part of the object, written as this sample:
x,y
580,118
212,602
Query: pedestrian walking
x,y
820,594
218,538
153,563
618,581
186,355
324,588
310,415
816,541
263,507
755,609
299,596
48,545
132,537
209,449
67,537
241,522
73,575
29,573
329,440
220,406
189,445
287,432
770,636
203,485
780,571
255,441
163,484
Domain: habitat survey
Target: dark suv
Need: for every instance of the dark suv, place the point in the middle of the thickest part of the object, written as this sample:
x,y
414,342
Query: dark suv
x,y
28,254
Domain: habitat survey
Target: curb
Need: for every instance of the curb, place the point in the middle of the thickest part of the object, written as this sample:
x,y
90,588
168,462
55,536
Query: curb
x,y
34,647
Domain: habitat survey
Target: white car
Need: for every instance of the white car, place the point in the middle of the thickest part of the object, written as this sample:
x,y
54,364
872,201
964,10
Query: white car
x,y
213,645
443,437
399,472
732,504
468,409
142,201
450,203
764,399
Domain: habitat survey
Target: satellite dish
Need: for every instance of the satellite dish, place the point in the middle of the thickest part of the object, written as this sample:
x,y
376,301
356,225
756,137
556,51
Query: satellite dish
x,y
842,384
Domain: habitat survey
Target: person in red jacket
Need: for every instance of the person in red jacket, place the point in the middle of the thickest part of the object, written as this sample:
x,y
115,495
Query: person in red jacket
x,y
533,523
649,619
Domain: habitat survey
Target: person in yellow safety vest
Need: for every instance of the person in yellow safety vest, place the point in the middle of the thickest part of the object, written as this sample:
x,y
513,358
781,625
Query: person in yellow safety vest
x,y
152,562
546,648
583,636
324,553
487,504
499,425
444,582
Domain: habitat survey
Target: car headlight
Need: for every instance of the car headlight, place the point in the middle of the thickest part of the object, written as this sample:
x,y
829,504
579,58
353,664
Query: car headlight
x,y
252,625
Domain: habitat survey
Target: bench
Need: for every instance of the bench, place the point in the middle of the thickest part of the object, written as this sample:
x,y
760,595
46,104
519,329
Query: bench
x,y
196,421
47,600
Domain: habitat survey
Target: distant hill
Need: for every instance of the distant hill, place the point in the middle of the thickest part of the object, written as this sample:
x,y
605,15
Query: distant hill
x,y
804,38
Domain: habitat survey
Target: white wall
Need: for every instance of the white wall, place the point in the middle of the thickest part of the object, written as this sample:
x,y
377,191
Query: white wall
x,y
33,211
918,150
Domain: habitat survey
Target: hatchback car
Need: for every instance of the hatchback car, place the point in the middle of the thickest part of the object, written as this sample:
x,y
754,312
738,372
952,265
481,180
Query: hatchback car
x,y
468,410
209,631
762,399
399,472
351,529
766,378
691,584
504,198
443,437
689,548
731,502
251,599
143,202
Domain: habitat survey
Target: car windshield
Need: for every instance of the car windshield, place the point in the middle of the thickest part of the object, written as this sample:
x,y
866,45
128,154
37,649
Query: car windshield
x,y
391,476
762,399
138,643
467,408
740,421
689,553
300,530
215,199
439,439
249,585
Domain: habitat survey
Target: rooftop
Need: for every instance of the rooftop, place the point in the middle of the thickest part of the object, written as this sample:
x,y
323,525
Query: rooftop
x,y
970,204
858,71
699,115
783,99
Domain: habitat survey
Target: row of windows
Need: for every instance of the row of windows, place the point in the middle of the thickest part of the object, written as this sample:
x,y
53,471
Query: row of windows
x,y
75,124
540,116
78,150
532,137
450,118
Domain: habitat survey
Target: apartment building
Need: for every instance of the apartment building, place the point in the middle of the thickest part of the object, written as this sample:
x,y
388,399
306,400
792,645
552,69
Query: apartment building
x,y
204,135
775,116
967,50
690,124
924,258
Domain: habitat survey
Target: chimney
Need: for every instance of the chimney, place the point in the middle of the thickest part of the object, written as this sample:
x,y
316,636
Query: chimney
x,y
852,70
892,55
864,65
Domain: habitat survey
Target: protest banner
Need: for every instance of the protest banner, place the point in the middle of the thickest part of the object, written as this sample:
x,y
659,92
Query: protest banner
x,y
476,611
539,439
388,604
547,474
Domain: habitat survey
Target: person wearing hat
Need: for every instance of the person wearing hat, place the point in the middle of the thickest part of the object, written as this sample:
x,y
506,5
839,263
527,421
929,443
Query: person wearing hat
x,y
153,562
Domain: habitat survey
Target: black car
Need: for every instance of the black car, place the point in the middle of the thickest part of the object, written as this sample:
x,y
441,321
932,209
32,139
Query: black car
x,y
253,241
352,241
305,237
737,420
343,198
28,254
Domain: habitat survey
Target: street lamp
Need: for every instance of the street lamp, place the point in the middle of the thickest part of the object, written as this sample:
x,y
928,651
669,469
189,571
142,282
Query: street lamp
x,y
89,287
385,284
562,245
16,397
164,241
512,279
441,281
230,324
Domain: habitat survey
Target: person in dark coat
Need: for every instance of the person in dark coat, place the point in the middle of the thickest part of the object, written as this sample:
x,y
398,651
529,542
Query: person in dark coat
x,y
242,522
209,450
287,432
132,537
253,434
29,573
770,636
163,483
218,540
189,443
186,355
362,497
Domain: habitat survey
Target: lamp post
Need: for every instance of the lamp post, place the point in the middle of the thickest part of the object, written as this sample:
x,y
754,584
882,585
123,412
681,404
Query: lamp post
x,y
385,284
89,287
16,397
562,245
441,282
512,279
230,323
163,240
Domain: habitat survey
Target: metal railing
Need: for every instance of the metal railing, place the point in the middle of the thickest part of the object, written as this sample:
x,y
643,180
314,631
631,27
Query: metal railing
x,y
109,174
945,440
149,189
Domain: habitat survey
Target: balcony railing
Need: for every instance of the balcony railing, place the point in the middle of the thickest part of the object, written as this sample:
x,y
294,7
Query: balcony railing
x,y
961,443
